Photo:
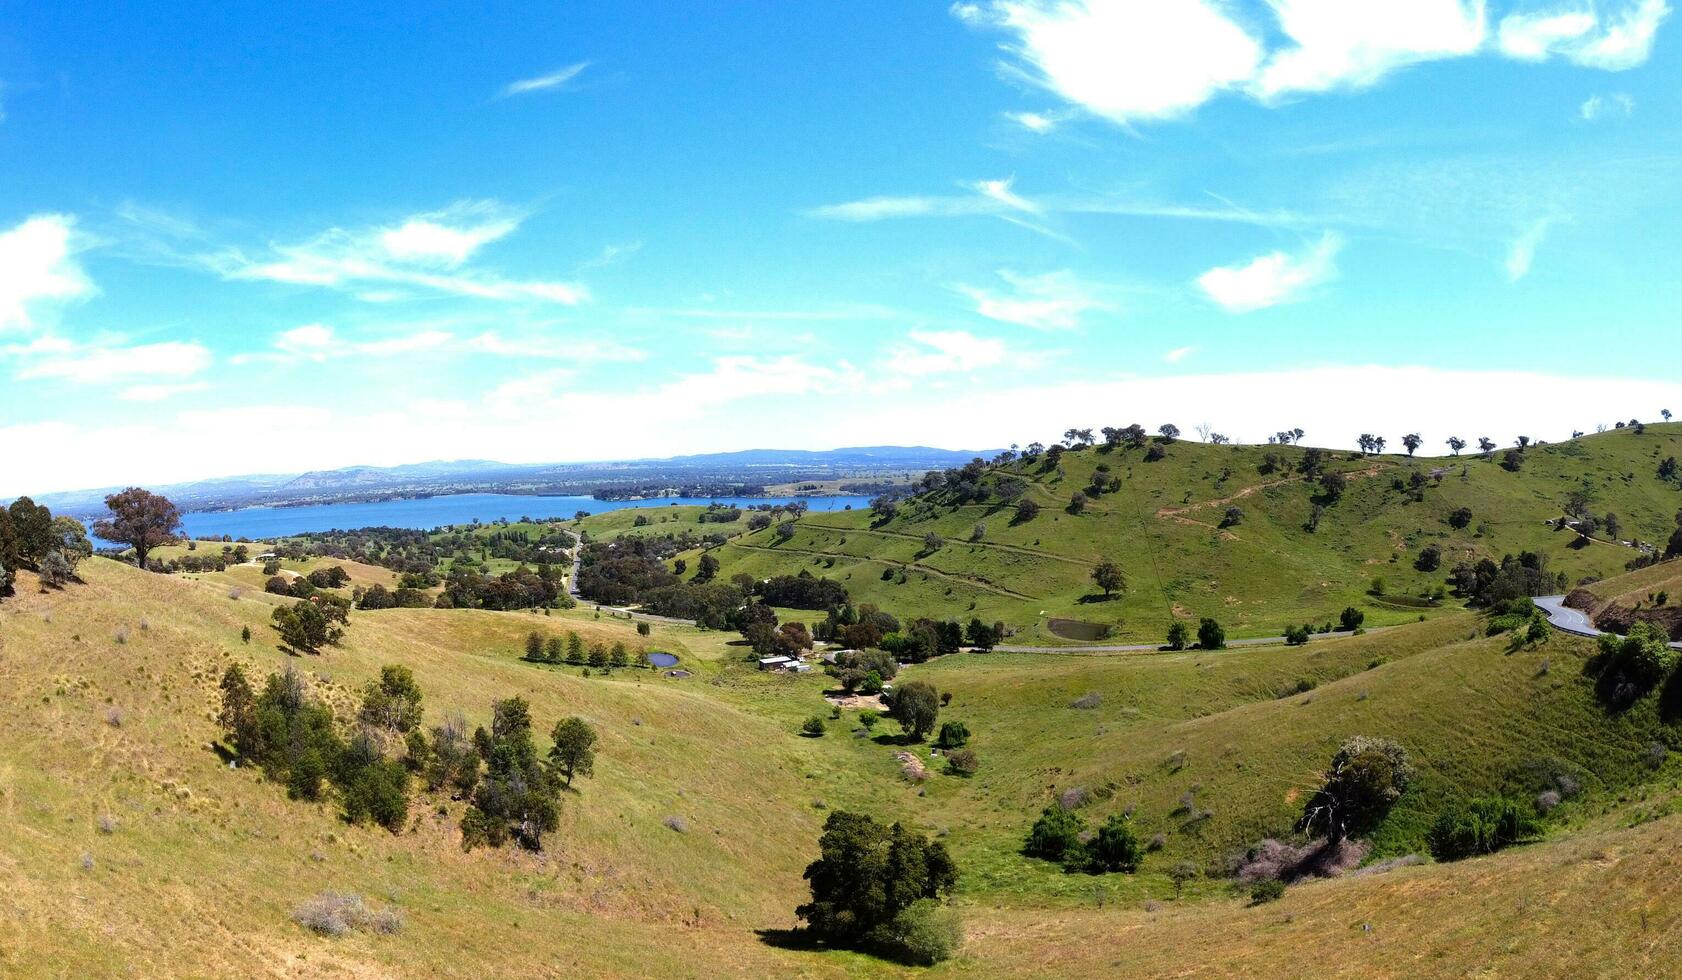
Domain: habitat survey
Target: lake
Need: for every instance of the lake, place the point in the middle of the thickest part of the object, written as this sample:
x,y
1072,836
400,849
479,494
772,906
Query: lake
x,y
426,513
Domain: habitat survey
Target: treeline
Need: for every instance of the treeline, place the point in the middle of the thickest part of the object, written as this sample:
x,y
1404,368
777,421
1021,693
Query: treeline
x,y
32,538
513,793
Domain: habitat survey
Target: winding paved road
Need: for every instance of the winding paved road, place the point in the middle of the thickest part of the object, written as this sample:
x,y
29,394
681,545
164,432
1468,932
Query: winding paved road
x,y
1568,620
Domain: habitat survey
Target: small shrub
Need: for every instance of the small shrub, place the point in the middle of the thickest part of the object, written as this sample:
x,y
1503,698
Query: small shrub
x,y
869,719
924,934
1088,701
1547,800
814,727
963,762
953,735
107,823
1271,890
1056,833
676,823
1072,798
1481,826
334,914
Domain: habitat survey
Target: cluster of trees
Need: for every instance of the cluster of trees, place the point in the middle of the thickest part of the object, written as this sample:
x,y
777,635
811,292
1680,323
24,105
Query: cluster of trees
x,y
1487,584
523,588
31,537
802,591
305,586
1628,667
1211,635
1062,836
377,596
552,649
1366,778
312,623
403,550
230,555
1481,826
512,793
878,887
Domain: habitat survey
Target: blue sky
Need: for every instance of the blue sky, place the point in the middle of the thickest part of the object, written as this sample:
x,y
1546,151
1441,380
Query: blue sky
x,y
238,239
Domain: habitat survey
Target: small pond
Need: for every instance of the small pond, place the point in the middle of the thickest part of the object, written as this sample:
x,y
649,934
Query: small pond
x,y
663,659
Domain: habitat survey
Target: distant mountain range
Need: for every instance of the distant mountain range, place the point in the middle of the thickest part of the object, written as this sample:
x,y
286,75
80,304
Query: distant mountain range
x,y
744,472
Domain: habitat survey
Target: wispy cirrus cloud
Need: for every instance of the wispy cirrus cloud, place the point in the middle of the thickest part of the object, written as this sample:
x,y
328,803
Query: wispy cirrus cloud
x,y
1596,107
102,364
319,342
545,82
39,270
1522,252
933,352
1049,301
1272,279
427,252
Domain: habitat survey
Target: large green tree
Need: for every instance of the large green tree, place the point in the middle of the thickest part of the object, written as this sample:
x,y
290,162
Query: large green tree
x,y
868,874
916,706
141,519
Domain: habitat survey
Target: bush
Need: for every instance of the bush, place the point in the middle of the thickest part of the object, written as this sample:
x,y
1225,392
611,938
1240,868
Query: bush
x,y
1114,848
1271,890
1366,778
334,914
953,735
1351,619
1055,834
1210,635
1178,636
963,762
924,934
1296,635
813,727
1482,826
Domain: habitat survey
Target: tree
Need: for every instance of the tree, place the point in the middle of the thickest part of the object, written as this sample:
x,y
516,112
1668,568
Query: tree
x,y
1296,636
953,735
1077,503
1351,618
1332,485
56,570
140,519
1114,848
1107,575
534,645
1056,835
915,706
394,701
1210,635
1486,445
518,797
869,877
933,542
1455,444
1512,460
706,568
813,727
1412,441
1460,518
70,539
1178,635
1169,432
1026,510
574,751
1367,776
303,626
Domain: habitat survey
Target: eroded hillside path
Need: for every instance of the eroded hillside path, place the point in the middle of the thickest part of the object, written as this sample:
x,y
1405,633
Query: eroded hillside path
x,y
1177,514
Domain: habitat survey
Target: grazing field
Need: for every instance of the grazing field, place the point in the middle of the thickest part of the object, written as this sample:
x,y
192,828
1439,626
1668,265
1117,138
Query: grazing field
x,y
133,845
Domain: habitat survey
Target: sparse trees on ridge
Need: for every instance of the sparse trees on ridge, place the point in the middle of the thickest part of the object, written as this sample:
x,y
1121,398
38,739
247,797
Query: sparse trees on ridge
x,y
1412,441
1455,444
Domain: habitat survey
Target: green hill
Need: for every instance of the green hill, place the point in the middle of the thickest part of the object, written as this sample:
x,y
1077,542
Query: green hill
x,y
132,845
1166,523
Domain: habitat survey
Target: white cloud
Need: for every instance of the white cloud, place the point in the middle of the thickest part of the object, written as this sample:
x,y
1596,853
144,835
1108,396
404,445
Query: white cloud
x,y
38,268
1533,37
96,365
1522,251
541,83
1178,354
1597,106
1050,301
946,352
1128,60
1582,36
158,393
1034,122
1271,279
319,342
999,190
583,350
424,251
1133,61
1356,42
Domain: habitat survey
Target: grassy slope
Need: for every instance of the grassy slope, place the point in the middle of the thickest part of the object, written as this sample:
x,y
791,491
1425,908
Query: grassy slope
x,y
1256,577
206,863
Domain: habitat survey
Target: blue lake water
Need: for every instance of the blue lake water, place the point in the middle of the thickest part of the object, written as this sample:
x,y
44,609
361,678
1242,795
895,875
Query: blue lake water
x,y
663,659
430,512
